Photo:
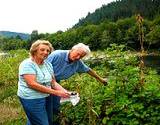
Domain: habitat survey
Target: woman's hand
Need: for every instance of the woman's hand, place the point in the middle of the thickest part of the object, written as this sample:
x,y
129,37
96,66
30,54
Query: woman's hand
x,y
62,93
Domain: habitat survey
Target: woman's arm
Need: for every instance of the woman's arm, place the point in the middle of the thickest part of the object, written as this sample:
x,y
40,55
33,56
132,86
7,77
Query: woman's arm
x,y
31,82
57,86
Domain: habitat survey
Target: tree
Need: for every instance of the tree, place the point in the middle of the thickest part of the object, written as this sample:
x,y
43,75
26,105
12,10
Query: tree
x,y
34,35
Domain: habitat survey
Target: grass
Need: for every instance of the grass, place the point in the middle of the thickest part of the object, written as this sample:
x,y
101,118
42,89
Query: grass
x,y
10,113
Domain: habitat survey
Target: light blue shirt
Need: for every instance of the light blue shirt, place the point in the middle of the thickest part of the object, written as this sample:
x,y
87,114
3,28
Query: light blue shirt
x,y
63,69
43,74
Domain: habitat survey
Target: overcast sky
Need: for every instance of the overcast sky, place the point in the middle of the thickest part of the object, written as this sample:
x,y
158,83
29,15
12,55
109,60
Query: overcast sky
x,y
46,16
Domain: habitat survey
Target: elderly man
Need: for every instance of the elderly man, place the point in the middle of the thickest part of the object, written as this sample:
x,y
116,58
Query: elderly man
x,y
68,62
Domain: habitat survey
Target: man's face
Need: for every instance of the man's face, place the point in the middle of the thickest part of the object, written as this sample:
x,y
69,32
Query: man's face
x,y
76,54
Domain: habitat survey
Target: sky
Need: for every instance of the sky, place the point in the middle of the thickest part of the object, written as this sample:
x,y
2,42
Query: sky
x,y
46,16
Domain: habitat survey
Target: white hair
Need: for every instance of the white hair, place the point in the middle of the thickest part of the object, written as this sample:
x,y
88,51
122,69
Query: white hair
x,y
84,47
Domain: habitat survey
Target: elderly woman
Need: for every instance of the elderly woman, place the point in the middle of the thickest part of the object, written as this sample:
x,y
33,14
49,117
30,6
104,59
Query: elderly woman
x,y
35,81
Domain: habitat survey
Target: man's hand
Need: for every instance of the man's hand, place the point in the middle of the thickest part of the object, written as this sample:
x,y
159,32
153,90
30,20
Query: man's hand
x,y
104,81
98,78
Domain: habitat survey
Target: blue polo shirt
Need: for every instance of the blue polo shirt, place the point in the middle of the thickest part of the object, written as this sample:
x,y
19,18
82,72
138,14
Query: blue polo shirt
x,y
62,68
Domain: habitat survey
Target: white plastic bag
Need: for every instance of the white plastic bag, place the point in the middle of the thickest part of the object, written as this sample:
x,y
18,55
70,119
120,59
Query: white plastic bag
x,y
74,99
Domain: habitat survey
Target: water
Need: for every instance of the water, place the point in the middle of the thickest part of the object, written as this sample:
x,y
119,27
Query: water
x,y
152,61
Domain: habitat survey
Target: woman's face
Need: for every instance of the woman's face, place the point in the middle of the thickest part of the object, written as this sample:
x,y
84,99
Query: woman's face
x,y
76,54
42,51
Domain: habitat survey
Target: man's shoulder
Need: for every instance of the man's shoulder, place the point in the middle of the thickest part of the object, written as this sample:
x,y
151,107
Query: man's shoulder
x,y
59,52
57,55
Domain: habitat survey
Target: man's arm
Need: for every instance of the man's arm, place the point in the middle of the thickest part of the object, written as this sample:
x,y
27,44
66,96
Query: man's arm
x,y
95,75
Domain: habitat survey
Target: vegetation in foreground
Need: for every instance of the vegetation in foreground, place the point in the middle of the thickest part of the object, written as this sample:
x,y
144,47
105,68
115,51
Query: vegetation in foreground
x,y
124,101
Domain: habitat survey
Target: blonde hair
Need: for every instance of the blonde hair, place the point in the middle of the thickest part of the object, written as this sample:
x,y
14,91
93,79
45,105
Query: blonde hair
x,y
36,44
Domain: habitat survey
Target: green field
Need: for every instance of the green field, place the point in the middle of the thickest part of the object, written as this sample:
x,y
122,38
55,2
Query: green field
x,y
130,98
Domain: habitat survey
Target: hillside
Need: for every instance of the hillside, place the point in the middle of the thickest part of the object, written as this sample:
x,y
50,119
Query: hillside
x,y
122,9
9,34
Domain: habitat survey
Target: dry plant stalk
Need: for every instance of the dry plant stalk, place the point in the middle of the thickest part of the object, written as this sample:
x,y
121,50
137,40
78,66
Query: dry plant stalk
x,y
142,52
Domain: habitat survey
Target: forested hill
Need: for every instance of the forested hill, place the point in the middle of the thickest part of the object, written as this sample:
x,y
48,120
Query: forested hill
x,y
9,34
121,9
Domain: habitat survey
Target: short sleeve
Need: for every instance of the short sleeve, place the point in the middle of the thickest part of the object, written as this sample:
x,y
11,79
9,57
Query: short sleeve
x,y
27,68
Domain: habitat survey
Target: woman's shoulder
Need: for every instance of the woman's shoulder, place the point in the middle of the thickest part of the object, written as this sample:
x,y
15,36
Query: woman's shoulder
x,y
27,62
